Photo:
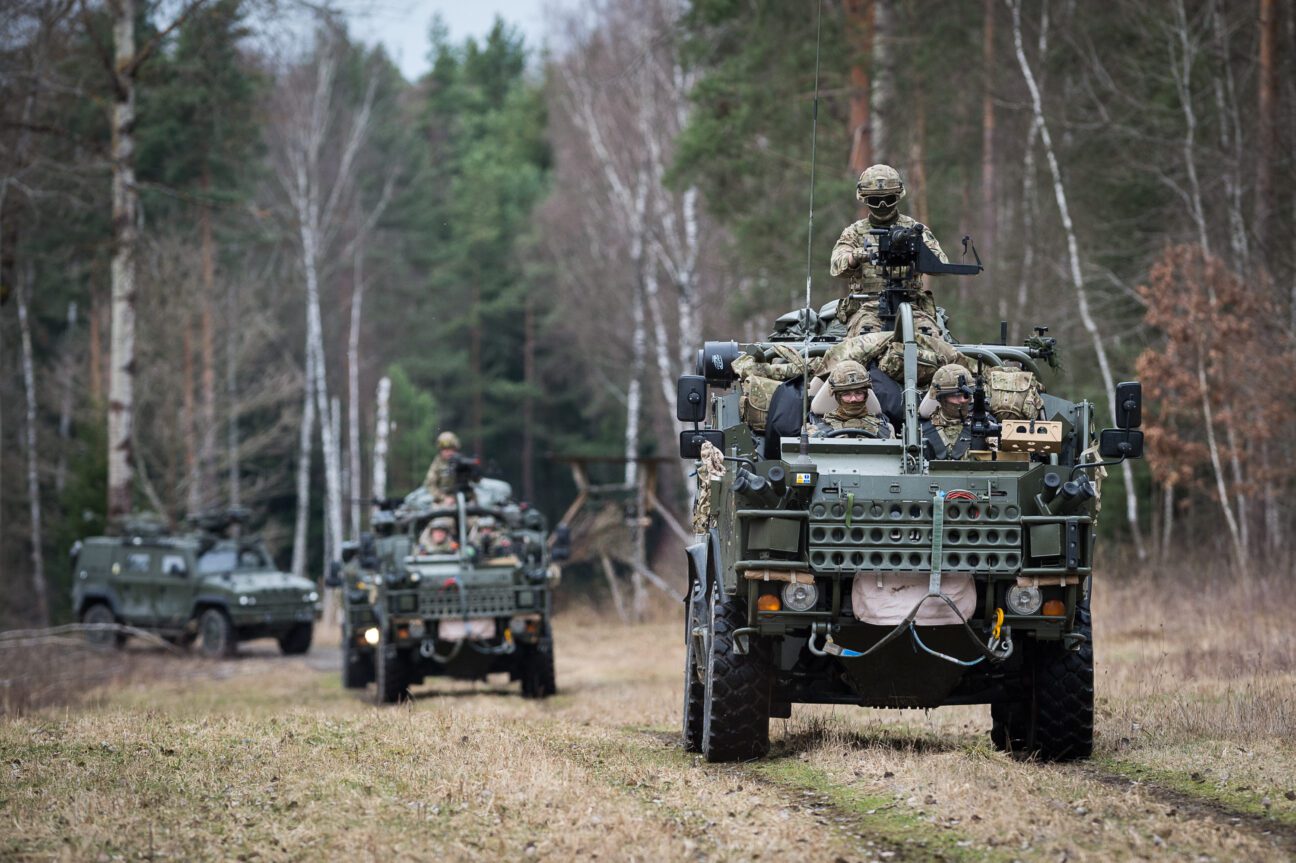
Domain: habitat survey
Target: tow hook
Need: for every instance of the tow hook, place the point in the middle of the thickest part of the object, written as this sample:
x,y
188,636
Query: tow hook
x,y
742,640
1073,641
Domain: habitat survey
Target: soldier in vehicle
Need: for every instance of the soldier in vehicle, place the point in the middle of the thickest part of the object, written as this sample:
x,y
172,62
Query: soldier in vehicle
x,y
946,432
440,480
851,387
880,189
437,537
488,541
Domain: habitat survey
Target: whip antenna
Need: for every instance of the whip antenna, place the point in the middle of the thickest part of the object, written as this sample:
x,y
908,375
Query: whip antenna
x,y
805,348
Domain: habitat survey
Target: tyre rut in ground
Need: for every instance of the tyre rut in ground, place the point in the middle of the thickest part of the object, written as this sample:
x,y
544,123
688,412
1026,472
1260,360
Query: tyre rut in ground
x,y
735,722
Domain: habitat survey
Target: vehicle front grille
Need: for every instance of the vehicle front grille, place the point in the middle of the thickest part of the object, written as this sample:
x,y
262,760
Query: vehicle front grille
x,y
896,536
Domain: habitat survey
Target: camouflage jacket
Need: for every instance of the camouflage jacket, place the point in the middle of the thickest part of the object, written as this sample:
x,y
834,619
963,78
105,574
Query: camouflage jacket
x,y
865,278
945,438
876,426
440,479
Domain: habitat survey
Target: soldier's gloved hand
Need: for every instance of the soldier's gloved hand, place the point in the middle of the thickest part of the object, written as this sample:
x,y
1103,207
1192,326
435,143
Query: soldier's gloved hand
x,y
853,260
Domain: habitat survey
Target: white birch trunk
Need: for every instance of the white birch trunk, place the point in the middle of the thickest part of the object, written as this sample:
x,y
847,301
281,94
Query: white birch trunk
x,y
353,391
1077,280
65,403
39,592
125,196
1221,489
305,441
382,428
634,395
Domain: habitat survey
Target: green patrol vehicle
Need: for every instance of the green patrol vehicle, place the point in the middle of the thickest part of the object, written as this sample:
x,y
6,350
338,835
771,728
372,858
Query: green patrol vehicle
x,y
473,600
210,585
842,569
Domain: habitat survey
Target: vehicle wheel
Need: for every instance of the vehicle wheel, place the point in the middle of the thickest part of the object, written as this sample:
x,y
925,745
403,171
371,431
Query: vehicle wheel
x,y
216,634
391,674
297,640
101,615
694,672
1054,721
357,669
538,680
735,705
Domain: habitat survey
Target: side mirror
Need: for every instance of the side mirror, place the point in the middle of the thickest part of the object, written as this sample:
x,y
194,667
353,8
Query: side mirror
x,y
1129,405
690,399
561,549
334,576
715,362
1120,443
690,441
349,550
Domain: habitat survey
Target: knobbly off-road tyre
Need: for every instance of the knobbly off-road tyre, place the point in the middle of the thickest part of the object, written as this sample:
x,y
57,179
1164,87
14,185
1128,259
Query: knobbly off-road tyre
x,y
735,706
297,640
538,679
391,675
100,614
357,669
216,636
694,675
1054,720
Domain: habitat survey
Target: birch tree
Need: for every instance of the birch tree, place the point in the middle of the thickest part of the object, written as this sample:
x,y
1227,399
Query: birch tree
x,y
1073,261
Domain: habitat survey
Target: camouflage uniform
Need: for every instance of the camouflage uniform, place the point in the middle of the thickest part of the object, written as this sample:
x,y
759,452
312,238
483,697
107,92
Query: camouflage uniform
x,y
947,434
849,376
863,316
429,545
440,479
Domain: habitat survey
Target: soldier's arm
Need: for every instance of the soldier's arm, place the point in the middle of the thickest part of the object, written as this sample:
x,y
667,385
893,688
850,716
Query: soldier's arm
x,y
847,244
930,239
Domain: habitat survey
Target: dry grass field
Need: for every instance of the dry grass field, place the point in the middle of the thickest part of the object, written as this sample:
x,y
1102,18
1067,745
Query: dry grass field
x,y
266,758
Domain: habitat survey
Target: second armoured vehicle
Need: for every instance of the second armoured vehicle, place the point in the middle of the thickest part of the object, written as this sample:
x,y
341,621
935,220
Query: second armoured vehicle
x,y
210,585
842,569
473,601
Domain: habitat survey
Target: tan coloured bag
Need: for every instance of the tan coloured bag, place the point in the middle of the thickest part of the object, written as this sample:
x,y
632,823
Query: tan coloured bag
x,y
1014,394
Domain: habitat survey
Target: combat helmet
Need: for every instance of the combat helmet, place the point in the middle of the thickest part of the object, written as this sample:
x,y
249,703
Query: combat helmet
x,y
444,522
949,379
879,180
849,376
447,440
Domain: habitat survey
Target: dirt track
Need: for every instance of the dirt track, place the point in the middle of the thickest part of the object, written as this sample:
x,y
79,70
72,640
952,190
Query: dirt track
x,y
268,758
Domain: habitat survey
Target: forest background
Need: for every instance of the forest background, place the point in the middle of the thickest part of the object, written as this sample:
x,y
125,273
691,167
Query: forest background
x,y
529,247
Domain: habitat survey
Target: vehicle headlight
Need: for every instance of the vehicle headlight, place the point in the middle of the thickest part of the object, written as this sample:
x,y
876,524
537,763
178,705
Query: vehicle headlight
x,y
800,597
1024,600
414,577
371,636
310,597
244,599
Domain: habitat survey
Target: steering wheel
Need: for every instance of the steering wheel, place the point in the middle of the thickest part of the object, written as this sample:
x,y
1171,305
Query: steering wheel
x,y
850,432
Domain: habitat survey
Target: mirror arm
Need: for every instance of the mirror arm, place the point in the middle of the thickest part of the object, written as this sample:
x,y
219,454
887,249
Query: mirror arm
x,y
1075,470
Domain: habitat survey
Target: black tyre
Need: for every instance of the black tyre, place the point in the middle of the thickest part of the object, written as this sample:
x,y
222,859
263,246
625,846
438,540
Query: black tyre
x,y
694,670
297,640
357,669
391,674
216,637
101,615
1054,719
735,706
538,680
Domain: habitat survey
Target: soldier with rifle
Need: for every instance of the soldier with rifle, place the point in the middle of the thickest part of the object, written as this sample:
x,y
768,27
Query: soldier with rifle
x,y
956,418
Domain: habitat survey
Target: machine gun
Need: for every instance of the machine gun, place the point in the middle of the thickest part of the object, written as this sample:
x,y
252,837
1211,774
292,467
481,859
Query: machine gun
x,y
467,471
900,254
981,423
227,522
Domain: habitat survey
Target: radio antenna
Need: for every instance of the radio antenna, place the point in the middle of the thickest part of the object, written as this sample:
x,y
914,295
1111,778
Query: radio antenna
x,y
805,349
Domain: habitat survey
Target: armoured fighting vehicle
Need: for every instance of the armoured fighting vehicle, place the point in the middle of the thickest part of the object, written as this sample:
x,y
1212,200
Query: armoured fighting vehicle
x,y
840,569
210,585
465,605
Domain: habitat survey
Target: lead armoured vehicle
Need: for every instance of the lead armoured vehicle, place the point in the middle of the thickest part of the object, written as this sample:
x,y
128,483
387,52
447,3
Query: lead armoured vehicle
x,y
210,585
840,569
465,605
